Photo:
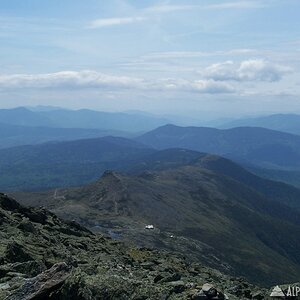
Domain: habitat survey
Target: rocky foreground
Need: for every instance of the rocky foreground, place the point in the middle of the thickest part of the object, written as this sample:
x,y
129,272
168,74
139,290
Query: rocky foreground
x,y
44,257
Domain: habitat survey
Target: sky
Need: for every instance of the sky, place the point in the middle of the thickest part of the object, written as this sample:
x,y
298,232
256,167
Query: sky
x,y
205,58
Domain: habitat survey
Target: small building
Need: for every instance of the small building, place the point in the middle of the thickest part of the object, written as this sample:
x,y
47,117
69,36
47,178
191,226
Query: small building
x,y
149,227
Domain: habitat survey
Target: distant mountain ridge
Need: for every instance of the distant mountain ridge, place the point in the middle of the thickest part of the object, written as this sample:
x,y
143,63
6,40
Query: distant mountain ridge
x,y
282,122
83,118
71,163
250,145
23,117
16,135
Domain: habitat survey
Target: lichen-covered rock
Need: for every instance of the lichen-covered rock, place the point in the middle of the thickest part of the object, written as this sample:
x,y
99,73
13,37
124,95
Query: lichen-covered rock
x,y
43,285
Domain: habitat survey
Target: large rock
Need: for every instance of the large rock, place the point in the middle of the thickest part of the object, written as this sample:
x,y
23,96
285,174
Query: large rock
x,y
43,285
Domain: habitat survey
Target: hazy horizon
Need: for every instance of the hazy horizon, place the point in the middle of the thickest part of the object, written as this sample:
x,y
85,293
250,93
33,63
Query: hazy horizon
x,y
209,59
179,118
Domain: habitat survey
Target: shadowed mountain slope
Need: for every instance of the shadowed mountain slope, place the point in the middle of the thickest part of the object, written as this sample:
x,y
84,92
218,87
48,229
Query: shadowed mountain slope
x,y
172,158
64,163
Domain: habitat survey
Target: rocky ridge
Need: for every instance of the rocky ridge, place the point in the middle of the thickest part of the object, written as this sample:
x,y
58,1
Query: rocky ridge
x,y
44,257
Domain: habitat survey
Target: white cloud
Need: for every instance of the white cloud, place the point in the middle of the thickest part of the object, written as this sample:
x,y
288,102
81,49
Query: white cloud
x,y
169,8
227,5
200,86
99,23
248,70
67,79
95,80
195,54
237,5
166,8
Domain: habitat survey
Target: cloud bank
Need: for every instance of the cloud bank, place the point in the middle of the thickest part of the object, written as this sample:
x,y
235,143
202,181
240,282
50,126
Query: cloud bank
x,y
209,86
92,79
248,70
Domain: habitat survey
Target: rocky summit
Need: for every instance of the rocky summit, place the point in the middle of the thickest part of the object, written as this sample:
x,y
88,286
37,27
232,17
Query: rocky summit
x,y
44,257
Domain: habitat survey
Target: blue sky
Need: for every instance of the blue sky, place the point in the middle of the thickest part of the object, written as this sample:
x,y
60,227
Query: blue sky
x,y
208,58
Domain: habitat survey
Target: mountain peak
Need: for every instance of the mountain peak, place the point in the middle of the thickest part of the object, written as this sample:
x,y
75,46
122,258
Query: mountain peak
x,y
111,174
111,179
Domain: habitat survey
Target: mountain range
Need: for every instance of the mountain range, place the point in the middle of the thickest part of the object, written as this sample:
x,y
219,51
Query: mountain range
x,y
268,153
199,204
83,118
249,145
16,135
168,188
70,163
